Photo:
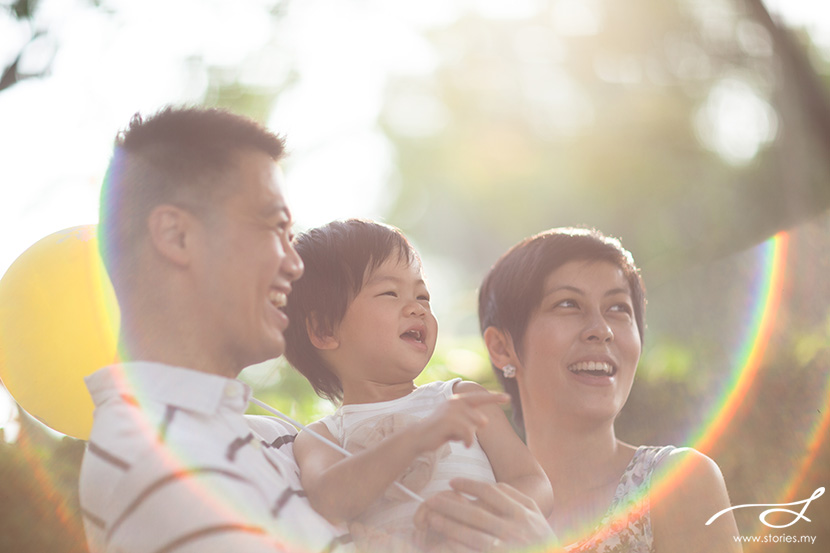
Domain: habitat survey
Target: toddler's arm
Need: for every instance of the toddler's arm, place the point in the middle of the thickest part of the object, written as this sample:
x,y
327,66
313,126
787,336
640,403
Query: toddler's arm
x,y
510,458
341,488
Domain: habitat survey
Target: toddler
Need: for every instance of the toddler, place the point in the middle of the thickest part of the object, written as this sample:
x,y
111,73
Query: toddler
x,y
361,331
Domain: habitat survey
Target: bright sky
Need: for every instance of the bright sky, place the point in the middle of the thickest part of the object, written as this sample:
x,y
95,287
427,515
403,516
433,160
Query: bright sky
x,y
56,132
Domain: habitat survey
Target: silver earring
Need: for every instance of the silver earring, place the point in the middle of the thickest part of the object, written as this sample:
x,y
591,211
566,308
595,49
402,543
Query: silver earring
x,y
509,371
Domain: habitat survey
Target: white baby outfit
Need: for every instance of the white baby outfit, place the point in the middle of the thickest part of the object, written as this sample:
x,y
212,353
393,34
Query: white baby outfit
x,y
361,426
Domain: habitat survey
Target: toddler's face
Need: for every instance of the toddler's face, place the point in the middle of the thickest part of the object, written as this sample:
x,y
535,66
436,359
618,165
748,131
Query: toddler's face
x,y
388,333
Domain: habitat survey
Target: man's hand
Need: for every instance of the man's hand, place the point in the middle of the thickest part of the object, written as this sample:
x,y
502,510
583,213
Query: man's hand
x,y
498,518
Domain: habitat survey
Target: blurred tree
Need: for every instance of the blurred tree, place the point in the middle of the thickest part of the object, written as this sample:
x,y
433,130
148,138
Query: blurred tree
x,y
669,123
39,508
17,69
694,130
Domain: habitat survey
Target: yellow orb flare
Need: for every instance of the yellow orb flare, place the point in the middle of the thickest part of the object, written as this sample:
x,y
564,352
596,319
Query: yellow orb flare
x,y
58,323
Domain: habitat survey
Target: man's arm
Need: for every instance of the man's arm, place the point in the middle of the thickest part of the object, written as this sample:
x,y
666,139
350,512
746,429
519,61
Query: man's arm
x,y
498,518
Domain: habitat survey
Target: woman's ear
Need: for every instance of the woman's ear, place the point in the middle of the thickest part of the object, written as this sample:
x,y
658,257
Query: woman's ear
x,y
320,337
500,347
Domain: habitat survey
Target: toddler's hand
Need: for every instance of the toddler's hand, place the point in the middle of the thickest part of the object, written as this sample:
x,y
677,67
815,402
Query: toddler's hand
x,y
458,419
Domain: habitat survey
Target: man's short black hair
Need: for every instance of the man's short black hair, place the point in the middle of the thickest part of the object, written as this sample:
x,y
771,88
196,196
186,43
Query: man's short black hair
x,y
176,156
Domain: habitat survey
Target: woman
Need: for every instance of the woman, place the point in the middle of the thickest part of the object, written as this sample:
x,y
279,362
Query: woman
x,y
562,315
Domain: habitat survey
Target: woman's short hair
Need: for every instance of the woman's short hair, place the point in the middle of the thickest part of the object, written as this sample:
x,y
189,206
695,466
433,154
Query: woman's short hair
x,y
512,289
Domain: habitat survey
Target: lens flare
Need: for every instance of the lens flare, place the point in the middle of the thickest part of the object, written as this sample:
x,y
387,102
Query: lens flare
x,y
816,437
177,462
769,287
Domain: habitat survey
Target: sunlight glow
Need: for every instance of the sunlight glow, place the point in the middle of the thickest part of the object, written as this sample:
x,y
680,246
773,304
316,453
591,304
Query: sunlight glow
x,y
812,15
499,9
575,18
735,121
9,426
138,56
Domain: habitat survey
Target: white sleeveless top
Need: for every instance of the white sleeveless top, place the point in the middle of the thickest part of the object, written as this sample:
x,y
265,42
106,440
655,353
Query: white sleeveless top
x,y
360,426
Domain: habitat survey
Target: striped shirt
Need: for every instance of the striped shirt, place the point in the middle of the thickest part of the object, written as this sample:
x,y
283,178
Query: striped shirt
x,y
174,465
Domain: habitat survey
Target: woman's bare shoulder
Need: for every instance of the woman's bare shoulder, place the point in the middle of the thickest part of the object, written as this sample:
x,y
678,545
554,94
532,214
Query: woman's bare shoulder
x,y
687,489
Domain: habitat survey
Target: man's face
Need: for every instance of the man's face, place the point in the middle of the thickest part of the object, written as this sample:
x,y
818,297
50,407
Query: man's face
x,y
247,264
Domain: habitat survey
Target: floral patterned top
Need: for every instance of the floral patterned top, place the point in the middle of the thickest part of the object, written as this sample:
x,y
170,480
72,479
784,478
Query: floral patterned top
x,y
626,526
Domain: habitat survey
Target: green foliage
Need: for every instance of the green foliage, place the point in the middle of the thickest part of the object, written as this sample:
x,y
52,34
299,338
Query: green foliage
x,y
812,343
280,386
460,357
225,91
667,361
39,508
533,129
24,9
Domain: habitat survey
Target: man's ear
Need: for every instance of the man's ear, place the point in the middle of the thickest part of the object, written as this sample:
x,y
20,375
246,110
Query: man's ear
x,y
500,347
320,337
170,228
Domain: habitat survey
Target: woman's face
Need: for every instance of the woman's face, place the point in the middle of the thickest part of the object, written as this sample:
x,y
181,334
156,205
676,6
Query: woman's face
x,y
581,347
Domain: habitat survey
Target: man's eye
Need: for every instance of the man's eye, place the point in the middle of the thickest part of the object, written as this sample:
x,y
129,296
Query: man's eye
x,y
390,293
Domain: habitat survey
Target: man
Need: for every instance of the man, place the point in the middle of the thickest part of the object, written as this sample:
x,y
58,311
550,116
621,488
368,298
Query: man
x,y
196,237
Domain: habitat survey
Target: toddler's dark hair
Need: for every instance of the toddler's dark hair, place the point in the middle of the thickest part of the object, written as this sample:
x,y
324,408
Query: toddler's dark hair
x,y
338,257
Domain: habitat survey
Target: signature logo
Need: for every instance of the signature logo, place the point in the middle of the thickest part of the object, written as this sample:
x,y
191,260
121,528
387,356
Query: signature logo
x,y
776,508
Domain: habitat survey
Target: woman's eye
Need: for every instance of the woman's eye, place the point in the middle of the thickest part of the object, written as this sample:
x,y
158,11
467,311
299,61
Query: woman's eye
x,y
622,308
566,303
390,293
423,298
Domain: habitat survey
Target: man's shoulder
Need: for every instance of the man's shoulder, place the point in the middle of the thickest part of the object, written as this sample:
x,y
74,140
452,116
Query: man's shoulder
x,y
277,437
154,475
270,428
